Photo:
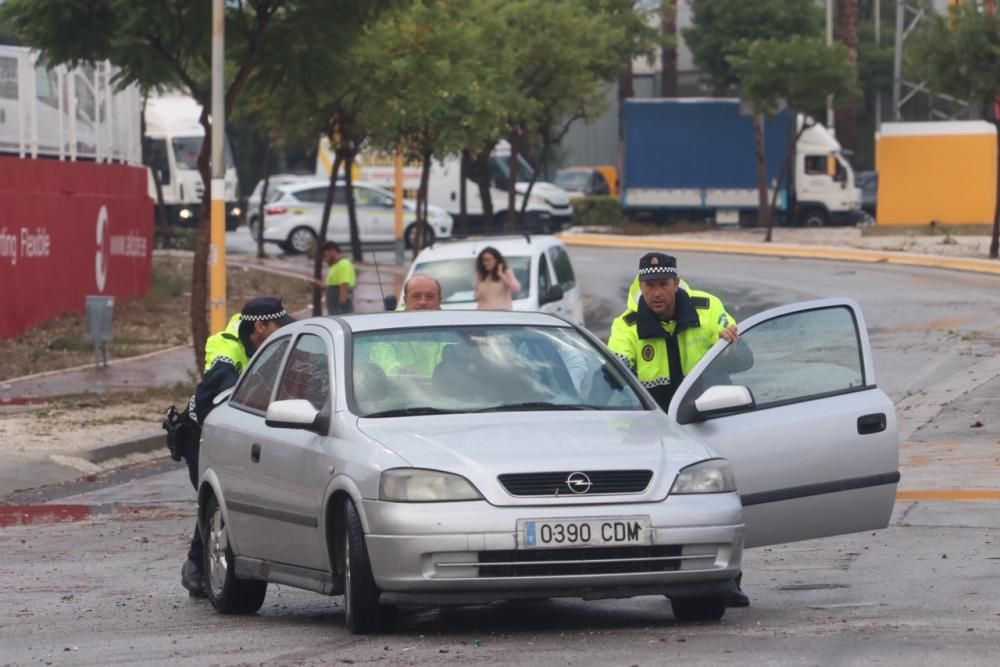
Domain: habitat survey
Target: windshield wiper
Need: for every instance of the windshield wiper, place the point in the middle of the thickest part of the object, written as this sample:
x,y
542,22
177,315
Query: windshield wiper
x,y
536,405
407,412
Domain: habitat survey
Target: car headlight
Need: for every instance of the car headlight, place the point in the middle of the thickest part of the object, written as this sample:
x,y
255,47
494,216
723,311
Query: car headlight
x,y
414,485
712,476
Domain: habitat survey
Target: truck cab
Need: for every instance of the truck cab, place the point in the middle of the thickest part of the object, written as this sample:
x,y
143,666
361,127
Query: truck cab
x,y
170,149
825,187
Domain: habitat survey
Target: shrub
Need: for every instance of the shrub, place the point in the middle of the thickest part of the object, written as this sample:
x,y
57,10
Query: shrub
x,y
597,210
178,238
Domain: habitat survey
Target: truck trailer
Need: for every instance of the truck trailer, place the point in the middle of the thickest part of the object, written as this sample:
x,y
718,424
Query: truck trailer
x,y
694,158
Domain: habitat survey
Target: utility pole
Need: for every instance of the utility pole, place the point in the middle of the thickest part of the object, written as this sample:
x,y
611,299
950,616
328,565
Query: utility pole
x,y
829,42
878,41
217,249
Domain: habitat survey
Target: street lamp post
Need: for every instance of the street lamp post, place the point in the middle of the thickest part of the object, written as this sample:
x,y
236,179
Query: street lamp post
x,y
217,252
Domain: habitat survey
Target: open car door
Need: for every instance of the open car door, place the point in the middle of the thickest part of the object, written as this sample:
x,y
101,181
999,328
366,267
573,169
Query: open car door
x,y
795,408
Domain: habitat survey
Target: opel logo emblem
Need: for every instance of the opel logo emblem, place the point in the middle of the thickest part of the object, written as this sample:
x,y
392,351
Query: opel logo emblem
x,y
578,482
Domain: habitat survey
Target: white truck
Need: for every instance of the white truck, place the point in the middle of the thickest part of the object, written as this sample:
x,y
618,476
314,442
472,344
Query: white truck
x,y
171,146
548,207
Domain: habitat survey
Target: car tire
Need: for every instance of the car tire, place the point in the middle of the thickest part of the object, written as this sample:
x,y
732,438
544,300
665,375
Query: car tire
x,y
709,608
362,612
814,217
254,226
300,241
228,593
410,235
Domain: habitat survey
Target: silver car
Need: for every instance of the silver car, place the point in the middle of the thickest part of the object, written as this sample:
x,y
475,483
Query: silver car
x,y
466,456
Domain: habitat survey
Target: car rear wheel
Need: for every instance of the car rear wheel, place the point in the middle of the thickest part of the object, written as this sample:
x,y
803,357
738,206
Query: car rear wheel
x,y
300,240
362,612
228,593
710,608
411,236
254,225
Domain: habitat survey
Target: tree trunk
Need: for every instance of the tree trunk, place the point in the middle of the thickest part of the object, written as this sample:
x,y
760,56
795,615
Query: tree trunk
x,y
786,170
161,208
763,209
318,291
199,268
266,168
352,208
483,179
512,217
425,173
668,72
463,207
995,241
846,115
534,177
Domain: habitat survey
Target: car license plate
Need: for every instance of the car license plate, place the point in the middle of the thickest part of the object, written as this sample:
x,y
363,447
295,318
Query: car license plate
x,y
617,531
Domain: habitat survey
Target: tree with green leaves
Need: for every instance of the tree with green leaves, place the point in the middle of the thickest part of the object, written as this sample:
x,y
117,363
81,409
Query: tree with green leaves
x,y
722,29
157,45
799,72
959,55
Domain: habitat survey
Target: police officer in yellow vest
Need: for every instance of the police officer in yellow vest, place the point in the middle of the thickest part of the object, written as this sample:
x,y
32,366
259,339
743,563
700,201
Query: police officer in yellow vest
x,y
227,354
667,330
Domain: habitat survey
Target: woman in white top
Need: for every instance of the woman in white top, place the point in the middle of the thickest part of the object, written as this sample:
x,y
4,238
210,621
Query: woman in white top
x,y
496,284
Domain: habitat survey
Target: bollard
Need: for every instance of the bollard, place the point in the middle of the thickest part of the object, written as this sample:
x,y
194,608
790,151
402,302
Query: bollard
x,y
100,314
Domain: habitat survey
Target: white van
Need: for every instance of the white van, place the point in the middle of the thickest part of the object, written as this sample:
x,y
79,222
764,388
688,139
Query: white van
x,y
540,262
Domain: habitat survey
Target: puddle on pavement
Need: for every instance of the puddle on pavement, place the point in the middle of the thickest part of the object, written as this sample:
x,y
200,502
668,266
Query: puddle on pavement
x,y
26,515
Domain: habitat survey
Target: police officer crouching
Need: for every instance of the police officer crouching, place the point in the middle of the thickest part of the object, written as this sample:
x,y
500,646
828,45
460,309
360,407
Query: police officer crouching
x,y
227,354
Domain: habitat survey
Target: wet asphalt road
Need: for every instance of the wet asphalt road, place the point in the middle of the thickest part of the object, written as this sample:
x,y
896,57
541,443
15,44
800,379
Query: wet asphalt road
x,y
103,588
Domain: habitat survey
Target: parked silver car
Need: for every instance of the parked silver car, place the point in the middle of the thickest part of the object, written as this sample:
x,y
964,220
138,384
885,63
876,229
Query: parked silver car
x,y
468,456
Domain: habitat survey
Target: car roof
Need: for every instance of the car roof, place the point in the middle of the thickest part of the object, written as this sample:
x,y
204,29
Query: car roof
x,y
512,246
363,322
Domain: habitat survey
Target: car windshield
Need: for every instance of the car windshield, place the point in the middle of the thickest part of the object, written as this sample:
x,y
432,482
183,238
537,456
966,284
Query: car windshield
x,y
467,369
572,180
186,150
458,277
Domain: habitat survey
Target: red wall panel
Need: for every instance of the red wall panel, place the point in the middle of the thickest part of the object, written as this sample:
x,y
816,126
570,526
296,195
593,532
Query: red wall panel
x,y
68,230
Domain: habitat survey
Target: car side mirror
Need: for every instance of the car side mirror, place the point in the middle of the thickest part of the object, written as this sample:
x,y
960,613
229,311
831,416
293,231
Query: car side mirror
x,y
390,302
554,293
295,413
723,398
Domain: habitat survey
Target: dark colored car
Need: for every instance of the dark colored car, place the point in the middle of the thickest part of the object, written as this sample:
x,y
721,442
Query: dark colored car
x,y
868,182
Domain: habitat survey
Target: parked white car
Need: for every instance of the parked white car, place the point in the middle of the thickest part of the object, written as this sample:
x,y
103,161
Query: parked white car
x,y
540,262
294,211
253,201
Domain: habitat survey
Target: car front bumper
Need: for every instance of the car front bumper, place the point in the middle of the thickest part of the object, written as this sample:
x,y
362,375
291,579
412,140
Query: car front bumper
x,y
468,552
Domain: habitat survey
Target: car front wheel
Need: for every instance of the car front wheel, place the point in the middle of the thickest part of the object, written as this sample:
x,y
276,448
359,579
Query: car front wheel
x,y
709,608
228,593
362,612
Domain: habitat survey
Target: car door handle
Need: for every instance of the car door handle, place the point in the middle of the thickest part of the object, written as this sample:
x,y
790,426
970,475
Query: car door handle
x,y
868,424
255,453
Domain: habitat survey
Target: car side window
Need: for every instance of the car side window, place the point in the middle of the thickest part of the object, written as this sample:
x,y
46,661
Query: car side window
x,y
256,385
544,281
791,358
312,195
564,268
366,197
307,373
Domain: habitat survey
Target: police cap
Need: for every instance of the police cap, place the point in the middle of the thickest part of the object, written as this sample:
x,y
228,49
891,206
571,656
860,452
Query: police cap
x,y
657,266
264,309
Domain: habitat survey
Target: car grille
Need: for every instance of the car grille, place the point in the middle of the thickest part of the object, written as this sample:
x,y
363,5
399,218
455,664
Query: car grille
x,y
556,483
568,562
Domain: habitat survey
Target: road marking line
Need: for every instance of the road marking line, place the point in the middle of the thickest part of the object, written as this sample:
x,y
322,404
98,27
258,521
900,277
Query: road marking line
x,y
949,494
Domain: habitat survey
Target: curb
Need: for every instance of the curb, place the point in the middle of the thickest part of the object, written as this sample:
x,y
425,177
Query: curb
x,y
138,445
988,266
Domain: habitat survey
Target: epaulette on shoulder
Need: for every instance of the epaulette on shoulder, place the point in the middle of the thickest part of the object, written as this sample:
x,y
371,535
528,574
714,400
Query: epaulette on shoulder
x,y
700,301
226,334
631,317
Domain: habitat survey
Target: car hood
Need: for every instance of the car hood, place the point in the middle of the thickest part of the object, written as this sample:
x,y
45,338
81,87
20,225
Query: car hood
x,y
550,192
483,446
